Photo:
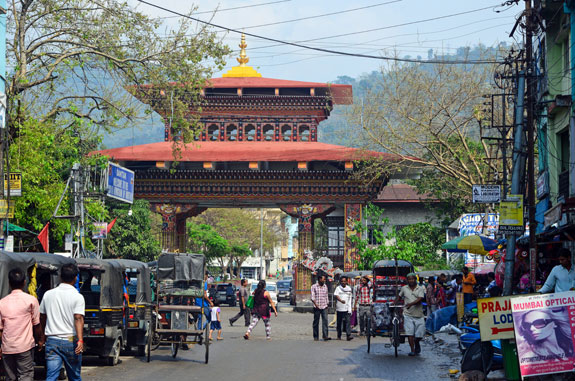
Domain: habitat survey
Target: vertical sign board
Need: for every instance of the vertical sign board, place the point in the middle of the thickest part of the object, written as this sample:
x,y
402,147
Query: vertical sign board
x,y
5,211
544,332
120,183
495,318
511,215
15,184
459,302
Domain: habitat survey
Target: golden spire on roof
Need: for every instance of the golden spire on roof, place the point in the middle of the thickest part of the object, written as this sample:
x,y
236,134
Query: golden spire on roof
x,y
244,59
242,70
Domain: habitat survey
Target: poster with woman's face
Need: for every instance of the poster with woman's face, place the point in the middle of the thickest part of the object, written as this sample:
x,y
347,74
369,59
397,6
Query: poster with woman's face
x,y
544,332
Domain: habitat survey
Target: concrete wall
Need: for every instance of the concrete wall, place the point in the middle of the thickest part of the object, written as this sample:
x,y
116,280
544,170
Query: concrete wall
x,y
408,214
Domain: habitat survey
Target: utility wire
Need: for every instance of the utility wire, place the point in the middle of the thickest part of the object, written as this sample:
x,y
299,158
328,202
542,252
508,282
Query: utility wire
x,y
231,9
454,62
322,15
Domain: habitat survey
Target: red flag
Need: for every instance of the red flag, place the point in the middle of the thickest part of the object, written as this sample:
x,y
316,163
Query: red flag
x,y
111,224
43,238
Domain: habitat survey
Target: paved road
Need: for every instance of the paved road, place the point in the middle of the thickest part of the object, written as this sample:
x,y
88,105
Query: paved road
x,y
291,355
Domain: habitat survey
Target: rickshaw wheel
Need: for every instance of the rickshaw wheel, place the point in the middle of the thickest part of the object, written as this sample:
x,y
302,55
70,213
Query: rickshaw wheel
x,y
175,346
207,342
368,334
395,338
114,359
149,344
156,340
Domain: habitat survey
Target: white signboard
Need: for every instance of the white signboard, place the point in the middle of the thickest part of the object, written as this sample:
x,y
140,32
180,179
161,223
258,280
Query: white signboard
x,y
486,194
495,318
9,244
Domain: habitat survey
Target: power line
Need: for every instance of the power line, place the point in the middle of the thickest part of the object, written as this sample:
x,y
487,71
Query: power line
x,y
454,62
231,9
322,15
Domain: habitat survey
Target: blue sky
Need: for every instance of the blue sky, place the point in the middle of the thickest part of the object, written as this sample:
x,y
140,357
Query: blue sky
x,y
287,62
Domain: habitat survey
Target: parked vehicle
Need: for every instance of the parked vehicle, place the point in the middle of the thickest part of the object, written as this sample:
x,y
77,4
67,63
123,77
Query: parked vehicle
x,y
270,287
284,290
387,317
225,294
105,330
139,314
180,280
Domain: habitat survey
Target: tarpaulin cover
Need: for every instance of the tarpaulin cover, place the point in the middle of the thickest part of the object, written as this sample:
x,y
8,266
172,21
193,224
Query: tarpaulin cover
x,y
144,289
9,261
111,281
52,263
444,316
181,267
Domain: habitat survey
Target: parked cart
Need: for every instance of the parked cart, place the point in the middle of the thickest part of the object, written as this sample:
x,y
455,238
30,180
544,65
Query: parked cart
x,y
386,316
180,280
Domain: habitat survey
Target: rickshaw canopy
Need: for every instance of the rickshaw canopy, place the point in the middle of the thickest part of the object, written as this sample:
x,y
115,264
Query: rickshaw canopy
x,y
181,267
111,280
143,288
387,267
52,263
9,261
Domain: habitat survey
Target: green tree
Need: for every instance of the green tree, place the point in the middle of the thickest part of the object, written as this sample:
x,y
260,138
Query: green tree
x,y
416,243
130,237
205,239
71,59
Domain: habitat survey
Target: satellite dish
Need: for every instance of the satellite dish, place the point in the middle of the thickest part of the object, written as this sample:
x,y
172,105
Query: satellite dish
x,y
479,356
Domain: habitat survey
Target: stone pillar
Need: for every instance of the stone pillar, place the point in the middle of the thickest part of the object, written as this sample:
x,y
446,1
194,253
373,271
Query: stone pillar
x,y
174,216
350,256
305,214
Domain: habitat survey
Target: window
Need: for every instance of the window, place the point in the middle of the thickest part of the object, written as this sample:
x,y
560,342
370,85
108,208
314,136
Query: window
x,y
249,273
286,132
304,133
213,132
372,238
268,132
335,240
232,132
565,156
249,132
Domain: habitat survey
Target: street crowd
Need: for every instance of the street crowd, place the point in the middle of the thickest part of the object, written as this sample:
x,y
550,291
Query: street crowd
x,y
55,326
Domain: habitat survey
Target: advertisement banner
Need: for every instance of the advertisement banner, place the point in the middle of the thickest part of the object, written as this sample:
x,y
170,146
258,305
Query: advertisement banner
x,y
495,318
100,230
544,331
511,215
5,211
472,224
486,194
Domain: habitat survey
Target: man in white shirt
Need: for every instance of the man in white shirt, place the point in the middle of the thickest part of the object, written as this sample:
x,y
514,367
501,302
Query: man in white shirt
x,y
562,277
62,314
343,295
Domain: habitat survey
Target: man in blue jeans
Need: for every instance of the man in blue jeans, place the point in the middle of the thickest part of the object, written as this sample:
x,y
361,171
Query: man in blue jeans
x,y
62,315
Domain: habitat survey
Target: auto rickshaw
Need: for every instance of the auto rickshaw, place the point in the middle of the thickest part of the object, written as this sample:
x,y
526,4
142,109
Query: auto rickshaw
x,y
139,316
105,322
23,261
387,317
180,281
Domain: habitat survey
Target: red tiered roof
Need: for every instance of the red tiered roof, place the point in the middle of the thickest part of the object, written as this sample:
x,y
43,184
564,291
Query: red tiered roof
x,y
216,151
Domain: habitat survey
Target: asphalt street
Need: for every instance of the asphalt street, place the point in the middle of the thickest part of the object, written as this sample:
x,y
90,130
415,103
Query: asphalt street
x,y
290,355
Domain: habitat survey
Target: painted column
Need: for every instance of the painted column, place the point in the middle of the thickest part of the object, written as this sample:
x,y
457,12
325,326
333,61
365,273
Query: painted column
x,y
305,214
350,256
174,224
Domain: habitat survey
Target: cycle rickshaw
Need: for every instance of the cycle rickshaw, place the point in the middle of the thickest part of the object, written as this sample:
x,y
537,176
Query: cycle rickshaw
x,y
179,282
386,318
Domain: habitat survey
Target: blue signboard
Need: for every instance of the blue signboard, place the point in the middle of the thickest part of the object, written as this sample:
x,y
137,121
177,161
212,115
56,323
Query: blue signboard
x,y
120,183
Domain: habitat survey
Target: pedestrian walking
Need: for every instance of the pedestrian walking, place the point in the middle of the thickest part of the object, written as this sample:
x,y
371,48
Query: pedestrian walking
x,y
216,323
453,288
413,320
431,296
343,296
19,325
262,303
319,298
62,314
468,283
363,300
244,310
562,277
